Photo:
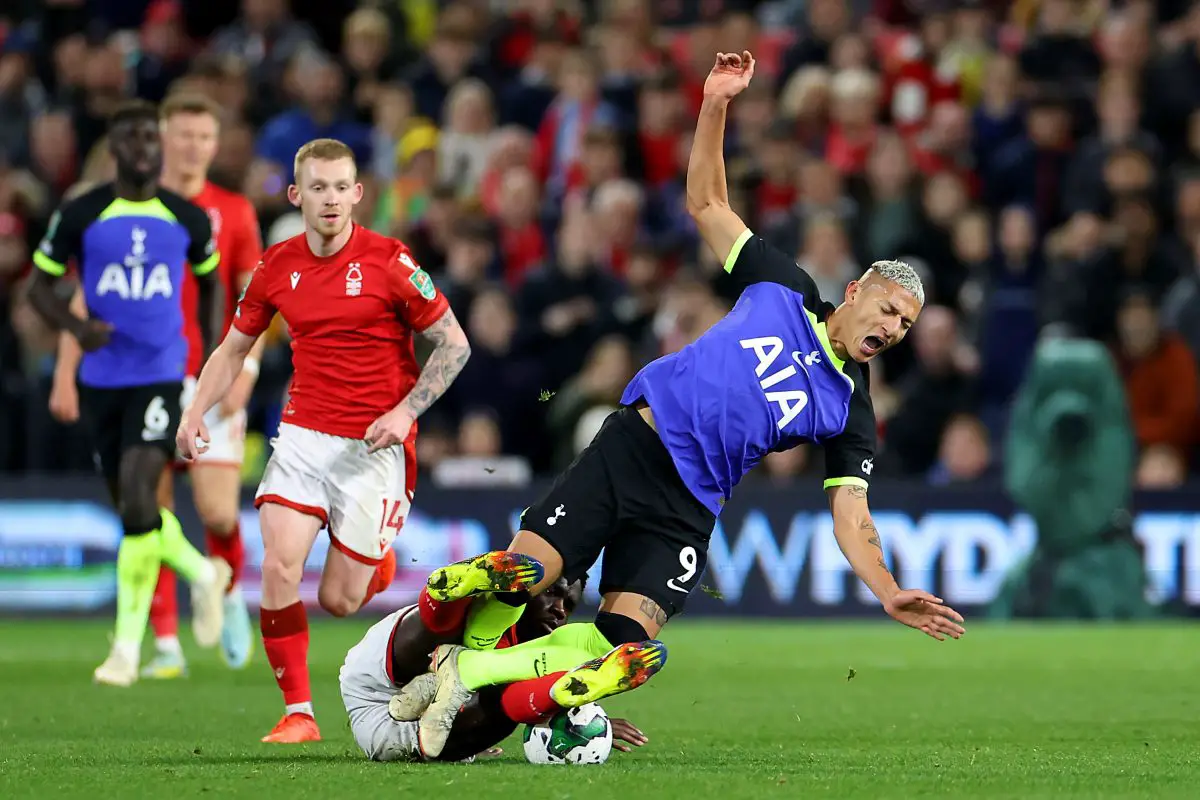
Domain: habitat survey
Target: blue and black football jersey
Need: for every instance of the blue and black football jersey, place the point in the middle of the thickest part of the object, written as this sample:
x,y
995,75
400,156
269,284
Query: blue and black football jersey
x,y
763,379
130,257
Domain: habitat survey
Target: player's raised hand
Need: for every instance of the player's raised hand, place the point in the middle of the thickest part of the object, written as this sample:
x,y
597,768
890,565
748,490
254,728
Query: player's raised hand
x,y
730,75
389,430
92,334
926,613
192,437
625,731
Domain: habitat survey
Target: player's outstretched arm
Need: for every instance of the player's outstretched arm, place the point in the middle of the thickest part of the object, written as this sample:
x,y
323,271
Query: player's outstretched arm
x,y
222,367
450,353
707,189
859,541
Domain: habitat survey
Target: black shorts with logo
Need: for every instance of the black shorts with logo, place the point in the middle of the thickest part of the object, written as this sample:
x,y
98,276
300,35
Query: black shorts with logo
x,y
623,495
130,416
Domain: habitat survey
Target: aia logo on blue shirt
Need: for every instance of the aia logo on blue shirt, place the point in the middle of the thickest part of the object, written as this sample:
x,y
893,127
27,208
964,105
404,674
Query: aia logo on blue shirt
x,y
790,401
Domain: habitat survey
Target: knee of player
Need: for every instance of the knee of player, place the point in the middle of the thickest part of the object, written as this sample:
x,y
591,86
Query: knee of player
x,y
277,572
338,603
220,521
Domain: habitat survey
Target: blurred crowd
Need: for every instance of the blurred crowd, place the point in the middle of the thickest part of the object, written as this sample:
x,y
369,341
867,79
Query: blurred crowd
x,y
1038,161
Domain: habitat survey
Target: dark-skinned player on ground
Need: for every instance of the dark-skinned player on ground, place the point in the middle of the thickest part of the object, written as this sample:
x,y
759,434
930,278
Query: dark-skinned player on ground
x,y
395,653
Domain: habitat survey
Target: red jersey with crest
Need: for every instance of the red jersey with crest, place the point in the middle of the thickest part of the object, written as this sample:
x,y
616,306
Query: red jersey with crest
x,y
235,230
351,317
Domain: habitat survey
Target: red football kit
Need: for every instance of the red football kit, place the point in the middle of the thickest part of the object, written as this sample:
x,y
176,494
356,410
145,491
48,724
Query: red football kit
x,y
351,317
235,229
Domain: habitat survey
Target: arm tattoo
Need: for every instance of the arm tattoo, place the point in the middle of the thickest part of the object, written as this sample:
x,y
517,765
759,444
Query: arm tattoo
x,y
443,366
652,610
868,525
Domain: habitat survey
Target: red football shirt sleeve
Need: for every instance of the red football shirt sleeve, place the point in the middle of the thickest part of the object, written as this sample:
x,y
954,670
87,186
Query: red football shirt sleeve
x,y
418,301
248,249
255,310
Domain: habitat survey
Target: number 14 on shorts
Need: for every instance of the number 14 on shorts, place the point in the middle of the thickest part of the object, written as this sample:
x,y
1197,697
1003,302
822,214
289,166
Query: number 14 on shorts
x,y
393,516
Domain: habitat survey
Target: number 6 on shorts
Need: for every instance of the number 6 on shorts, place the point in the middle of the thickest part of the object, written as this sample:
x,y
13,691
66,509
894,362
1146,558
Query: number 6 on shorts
x,y
156,420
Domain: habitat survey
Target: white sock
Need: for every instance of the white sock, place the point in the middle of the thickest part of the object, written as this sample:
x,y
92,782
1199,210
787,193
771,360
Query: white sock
x,y
300,708
132,651
168,644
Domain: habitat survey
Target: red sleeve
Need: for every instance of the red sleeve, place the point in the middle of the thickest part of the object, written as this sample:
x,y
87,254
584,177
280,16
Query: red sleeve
x,y
418,301
248,249
255,310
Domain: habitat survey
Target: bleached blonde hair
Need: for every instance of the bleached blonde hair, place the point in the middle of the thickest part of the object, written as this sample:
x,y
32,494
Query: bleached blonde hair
x,y
900,273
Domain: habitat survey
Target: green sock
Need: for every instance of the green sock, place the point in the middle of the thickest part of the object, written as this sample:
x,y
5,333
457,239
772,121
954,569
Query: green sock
x,y
137,575
565,648
178,553
487,620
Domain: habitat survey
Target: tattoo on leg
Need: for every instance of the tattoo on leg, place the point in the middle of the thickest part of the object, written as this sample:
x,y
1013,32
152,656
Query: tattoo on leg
x,y
858,491
652,610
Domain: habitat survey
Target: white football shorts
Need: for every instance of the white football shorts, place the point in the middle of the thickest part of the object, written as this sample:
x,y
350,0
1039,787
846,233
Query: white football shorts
x,y
363,498
366,690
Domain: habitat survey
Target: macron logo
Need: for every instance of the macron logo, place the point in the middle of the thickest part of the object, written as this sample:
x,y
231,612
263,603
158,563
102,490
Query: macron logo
x,y
295,279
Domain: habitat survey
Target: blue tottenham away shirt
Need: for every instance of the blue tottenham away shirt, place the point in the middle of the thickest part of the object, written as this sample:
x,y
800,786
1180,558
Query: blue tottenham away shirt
x,y
763,379
130,257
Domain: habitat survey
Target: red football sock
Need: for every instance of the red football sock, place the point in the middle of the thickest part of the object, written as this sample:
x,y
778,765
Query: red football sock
x,y
164,608
228,547
529,701
285,639
441,617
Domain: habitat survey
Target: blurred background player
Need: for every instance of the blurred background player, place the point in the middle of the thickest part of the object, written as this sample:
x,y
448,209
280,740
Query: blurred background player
x,y
131,240
190,126
396,651
783,368
345,454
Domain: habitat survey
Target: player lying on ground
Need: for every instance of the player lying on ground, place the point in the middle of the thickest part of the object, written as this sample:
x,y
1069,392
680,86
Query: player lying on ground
x,y
781,369
396,651
190,125
131,240
345,455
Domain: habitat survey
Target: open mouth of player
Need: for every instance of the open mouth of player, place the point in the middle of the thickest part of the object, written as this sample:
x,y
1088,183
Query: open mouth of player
x,y
872,344
331,216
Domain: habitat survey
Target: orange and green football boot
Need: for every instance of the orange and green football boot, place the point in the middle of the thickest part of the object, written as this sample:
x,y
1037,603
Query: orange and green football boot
x,y
498,571
625,667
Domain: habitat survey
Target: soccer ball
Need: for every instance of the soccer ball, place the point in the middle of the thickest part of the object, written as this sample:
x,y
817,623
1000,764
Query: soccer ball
x,y
576,736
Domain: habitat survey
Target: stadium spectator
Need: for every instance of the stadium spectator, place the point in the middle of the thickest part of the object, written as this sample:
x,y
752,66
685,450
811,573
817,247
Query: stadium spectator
x,y
939,386
1160,379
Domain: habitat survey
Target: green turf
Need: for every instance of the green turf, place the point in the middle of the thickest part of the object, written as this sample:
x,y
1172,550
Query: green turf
x,y
741,711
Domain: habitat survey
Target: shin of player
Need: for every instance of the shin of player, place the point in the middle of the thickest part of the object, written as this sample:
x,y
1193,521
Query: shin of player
x,y
344,458
190,129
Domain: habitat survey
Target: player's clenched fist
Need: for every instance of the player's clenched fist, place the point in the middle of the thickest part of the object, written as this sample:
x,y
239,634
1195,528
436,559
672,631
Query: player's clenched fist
x,y
730,75
390,429
192,438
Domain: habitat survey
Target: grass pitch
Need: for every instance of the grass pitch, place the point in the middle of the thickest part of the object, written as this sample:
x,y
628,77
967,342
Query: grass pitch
x,y
743,710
